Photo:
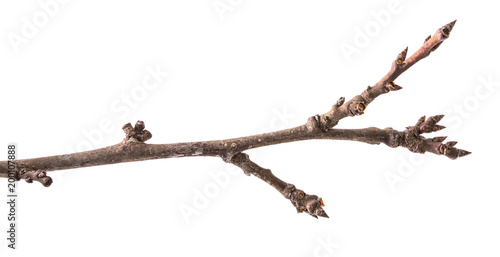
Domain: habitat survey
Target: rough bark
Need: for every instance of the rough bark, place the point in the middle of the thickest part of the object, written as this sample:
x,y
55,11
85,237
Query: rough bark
x,y
134,148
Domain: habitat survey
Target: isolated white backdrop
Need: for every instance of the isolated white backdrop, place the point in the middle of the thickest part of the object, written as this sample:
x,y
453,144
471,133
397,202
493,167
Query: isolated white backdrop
x,y
237,68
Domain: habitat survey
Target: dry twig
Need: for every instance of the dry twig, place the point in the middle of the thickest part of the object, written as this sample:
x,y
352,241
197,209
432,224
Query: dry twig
x,y
134,148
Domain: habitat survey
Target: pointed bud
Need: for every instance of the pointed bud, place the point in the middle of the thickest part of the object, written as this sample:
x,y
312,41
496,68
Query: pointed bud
x,y
431,123
437,118
439,139
446,29
438,128
454,153
392,87
420,121
320,212
451,144
462,153
340,101
402,56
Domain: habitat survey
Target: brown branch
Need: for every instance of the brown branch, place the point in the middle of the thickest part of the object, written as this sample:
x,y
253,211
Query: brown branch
x,y
303,202
357,105
134,148
131,149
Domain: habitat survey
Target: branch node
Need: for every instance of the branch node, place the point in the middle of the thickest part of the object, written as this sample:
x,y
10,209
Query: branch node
x,y
287,192
136,133
35,175
314,123
394,138
357,108
367,94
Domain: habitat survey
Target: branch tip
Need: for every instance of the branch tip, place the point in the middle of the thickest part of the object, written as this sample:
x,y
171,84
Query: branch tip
x,y
446,29
452,152
302,202
464,153
419,144
311,204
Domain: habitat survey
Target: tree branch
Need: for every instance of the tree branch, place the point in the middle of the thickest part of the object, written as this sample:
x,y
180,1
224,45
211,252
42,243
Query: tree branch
x,y
303,202
357,105
134,148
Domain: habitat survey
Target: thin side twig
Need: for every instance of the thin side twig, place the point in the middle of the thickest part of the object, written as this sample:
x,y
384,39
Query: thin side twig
x,y
303,202
357,105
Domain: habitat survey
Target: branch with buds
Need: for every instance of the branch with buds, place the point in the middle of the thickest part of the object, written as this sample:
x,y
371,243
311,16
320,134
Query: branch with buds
x,y
134,148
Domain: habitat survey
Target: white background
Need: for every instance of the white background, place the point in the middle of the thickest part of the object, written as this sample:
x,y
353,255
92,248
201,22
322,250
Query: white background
x,y
253,67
